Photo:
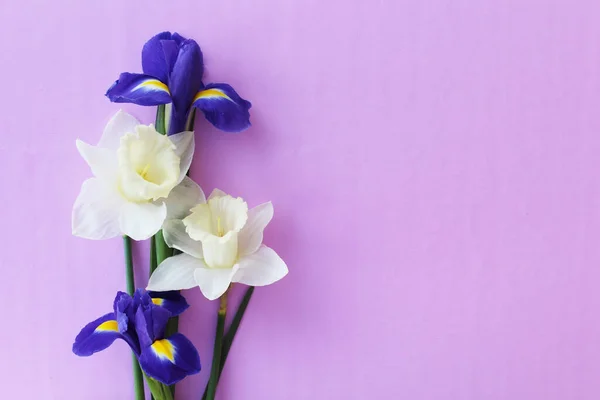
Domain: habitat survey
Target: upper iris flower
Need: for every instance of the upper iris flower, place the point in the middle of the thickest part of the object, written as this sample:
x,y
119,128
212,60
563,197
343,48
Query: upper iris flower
x,y
173,69
141,321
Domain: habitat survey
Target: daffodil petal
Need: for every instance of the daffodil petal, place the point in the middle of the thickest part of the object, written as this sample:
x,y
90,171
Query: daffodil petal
x,y
183,198
175,273
102,161
261,268
140,89
184,148
120,124
177,238
223,107
170,360
140,221
213,282
251,235
216,193
96,211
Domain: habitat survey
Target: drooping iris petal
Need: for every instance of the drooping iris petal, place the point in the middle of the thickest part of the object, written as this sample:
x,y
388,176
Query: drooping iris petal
x,y
173,301
140,89
251,235
175,273
184,82
158,56
96,211
170,360
223,107
96,336
261,268
150,321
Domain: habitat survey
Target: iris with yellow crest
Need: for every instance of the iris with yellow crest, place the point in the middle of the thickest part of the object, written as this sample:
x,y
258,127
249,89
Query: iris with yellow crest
x,y
141,321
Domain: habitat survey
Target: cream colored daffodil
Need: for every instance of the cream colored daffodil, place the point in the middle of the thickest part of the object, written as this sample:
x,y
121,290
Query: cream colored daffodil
x,y
139,180
221,241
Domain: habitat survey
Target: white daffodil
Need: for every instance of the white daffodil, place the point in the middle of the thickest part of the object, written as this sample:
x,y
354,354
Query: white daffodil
x,y
221,241
139,181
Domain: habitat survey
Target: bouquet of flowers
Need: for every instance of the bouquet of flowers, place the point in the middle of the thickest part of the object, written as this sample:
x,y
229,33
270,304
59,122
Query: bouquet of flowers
x,y
140,190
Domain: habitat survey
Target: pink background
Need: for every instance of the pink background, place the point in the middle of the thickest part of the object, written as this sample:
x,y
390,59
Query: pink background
x,y
433,166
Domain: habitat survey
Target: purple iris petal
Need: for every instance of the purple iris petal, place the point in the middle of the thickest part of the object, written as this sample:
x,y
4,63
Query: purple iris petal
x,y
184,82
157,54
150,321
144,90
96,336
223,107
170,360
172,301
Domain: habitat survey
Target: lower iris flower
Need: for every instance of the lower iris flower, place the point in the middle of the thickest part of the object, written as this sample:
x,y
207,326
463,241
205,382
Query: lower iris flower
x,y
141,321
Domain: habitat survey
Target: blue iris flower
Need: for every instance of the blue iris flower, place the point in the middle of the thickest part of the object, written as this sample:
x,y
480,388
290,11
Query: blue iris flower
x,y
141,321
173,68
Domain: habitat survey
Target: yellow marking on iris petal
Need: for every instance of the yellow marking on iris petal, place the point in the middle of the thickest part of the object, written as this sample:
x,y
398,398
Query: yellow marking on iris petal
x,y
158,302
164,349
108,326
211,94
153,84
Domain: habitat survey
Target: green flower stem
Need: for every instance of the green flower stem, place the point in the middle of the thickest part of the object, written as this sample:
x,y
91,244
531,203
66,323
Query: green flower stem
x,y
160,120
231,332
138,380
159,390
216,362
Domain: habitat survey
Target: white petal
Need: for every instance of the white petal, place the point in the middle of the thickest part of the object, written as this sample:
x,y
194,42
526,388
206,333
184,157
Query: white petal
x,y
119,124
213,282
261,268
140,221
183,198
199,224
175,273
217,193
103,162
184,144
176,237
96,211
220,252
251,235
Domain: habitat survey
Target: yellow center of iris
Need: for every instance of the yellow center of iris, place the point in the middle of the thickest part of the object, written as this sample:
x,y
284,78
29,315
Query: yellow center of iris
x,y
158,302
164,349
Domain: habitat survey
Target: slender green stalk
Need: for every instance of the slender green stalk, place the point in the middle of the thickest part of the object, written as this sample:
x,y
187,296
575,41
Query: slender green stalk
x,y
159,391
138,380
235,324
153,263
216,362
231,332
160,125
